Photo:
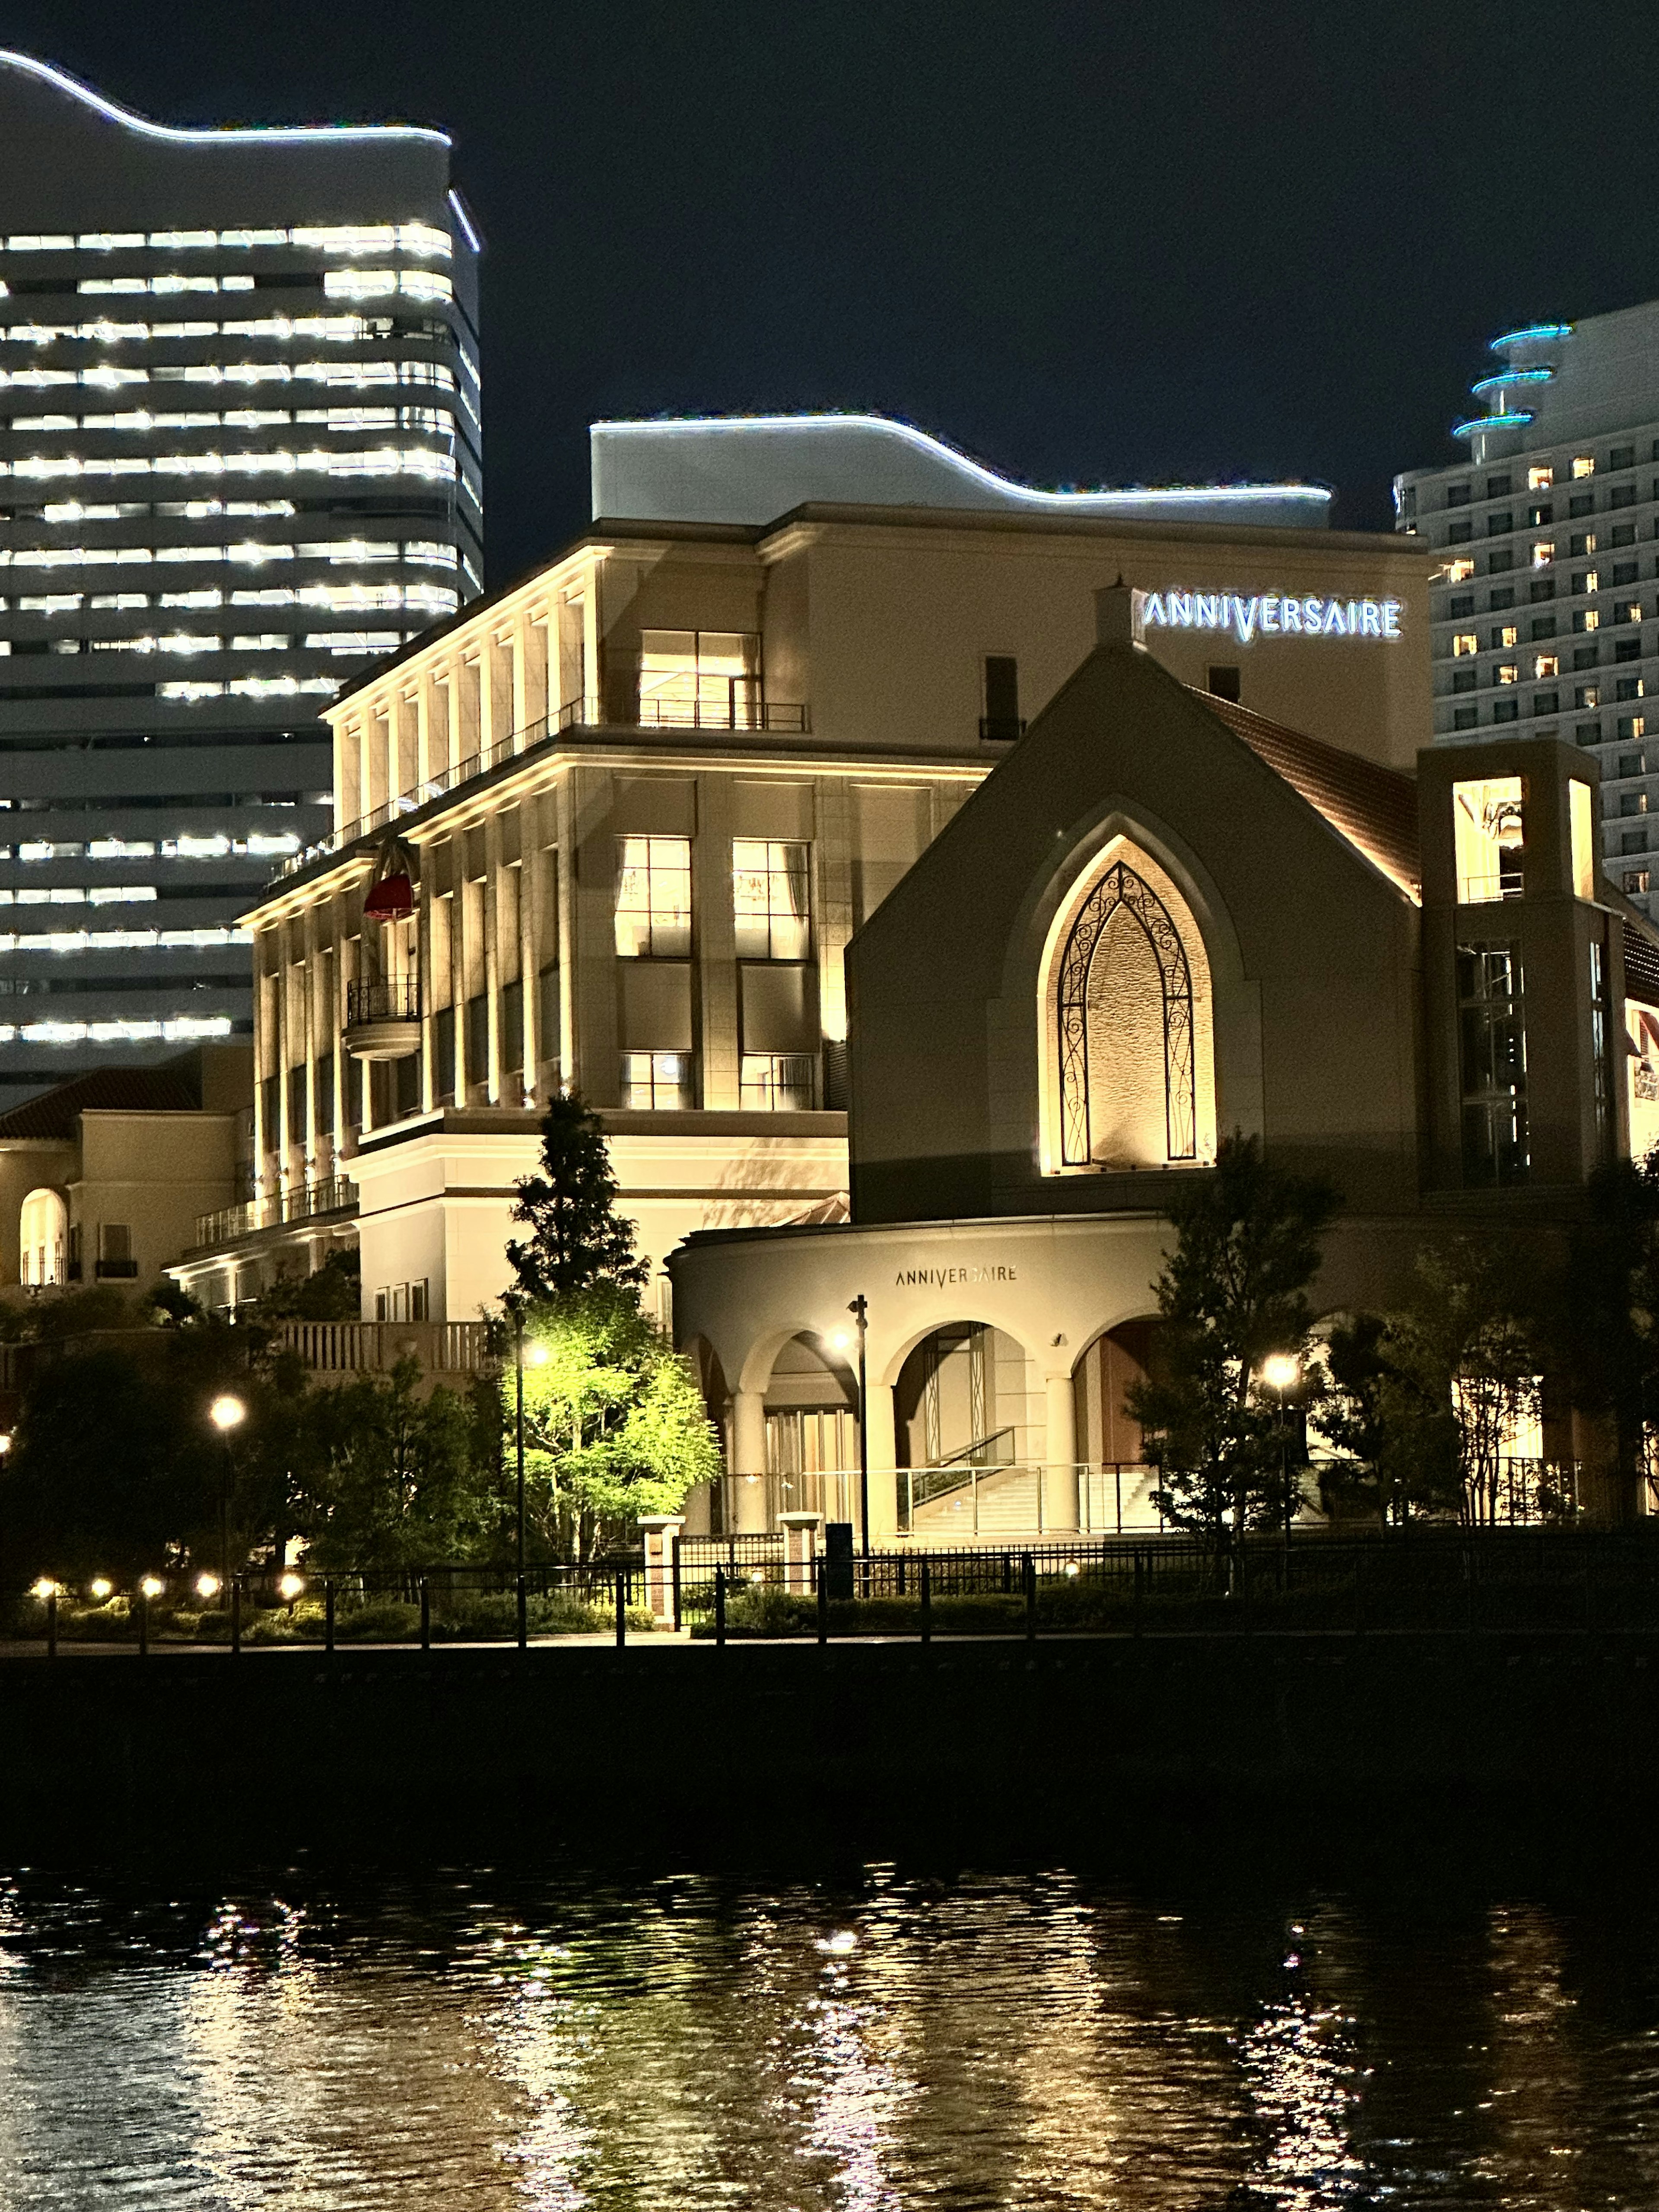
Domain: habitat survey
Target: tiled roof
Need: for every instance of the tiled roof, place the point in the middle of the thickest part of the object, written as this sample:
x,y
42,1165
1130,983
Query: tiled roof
x,y
1374,808
130,1090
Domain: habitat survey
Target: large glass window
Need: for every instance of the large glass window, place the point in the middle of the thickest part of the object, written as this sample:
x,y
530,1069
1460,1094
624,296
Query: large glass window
x,y
1584,838
777,1082
1492,1052
1487,816
769,898
657,1079
699,679
653,898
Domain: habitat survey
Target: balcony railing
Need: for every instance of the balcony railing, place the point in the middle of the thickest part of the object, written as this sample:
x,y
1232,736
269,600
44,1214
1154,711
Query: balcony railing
x,y
742,713
333,1194
393,999
355,1347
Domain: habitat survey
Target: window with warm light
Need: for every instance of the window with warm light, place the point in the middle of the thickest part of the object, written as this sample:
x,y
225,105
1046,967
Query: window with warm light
x,y
1465,642
1459,572
1581,813
771,899
1545,664
1540,479
1505,635
699,679
1543,553
777,1082
1584,465
1509,671
657,1080
653,898
1489,829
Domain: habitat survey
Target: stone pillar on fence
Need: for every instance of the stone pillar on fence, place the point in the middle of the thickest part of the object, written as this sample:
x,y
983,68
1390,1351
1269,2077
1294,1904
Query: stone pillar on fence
x,y
661,1531
1059,1490
748,1463
800,1546
883,1475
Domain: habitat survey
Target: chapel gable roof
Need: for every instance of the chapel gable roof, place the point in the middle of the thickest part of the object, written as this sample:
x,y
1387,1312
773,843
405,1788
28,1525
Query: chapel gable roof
x,y
1374,808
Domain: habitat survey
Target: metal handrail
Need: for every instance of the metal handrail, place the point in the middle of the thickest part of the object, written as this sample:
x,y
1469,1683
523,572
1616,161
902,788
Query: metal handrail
x,y
333,1194
392,998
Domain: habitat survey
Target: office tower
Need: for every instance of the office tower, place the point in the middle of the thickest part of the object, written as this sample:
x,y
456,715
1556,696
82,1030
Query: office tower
x,y
240,444
1543,608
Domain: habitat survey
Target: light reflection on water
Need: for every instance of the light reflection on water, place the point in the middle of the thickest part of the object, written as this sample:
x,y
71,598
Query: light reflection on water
x,y
1033,2039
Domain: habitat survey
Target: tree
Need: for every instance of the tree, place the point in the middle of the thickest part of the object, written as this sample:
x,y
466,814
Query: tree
x,y
614,1421
387,1479
1232,1293
1609,1317
577,1239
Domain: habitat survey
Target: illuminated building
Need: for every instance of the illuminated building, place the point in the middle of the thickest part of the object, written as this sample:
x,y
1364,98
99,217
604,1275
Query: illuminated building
x,y
1162,919
628,813
1544,616
239,454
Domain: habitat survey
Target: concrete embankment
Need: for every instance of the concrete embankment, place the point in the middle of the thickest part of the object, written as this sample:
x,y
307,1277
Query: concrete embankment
x,y
1066,1719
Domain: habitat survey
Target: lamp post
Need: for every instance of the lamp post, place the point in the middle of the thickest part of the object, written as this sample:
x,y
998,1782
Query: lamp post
x,y
1281,1373
860,1310
227,1413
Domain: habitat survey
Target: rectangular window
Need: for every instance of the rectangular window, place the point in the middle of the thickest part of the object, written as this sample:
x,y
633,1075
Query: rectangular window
x,y
1581,817
1584,465
1505,636
477,1035
777,1082
1622,456
1586,618
1458,533
1624,533
1509,671
1622,495
1499,525
1628,610
1635,882
1632,725
298,1132
771,899
1587,734
699,679
1627,687
1505,597
1536,515
1488,826
1463,718
1625,572
659,1082
1632,802
1459,572
115,1250
1457,495
1546,703
323,1088
1545,664
1586,581
1492,1042
1584,503
1464,679
1506,710
1587,695
270,1108
1540,479
1001,720
1627,648
1581,541
653,898
1543,553
1542,626
513,1028
1600,1035
1497,487
1499,561
1540,592
1465,643
1461,604
1586,656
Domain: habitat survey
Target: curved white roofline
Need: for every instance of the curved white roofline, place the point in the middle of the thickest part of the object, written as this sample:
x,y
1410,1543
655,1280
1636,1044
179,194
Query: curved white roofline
x,y
1005,488
220,134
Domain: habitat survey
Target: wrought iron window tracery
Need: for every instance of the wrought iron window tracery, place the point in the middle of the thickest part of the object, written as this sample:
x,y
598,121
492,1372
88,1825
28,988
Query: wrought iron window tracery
x,y
1121,887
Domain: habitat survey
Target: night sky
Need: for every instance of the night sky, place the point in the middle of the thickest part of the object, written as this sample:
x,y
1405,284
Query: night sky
x,y
1088,244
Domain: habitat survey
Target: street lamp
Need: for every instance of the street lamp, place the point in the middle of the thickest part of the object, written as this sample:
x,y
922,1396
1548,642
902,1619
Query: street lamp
x,y
226,1413
1281,1372
860,1310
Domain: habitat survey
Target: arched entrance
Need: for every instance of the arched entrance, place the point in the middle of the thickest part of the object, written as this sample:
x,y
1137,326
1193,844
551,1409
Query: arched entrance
x,y
43,1239
1117,1483
970,1416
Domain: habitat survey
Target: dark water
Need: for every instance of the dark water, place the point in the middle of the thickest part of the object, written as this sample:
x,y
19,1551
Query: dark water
x,y
1206,2016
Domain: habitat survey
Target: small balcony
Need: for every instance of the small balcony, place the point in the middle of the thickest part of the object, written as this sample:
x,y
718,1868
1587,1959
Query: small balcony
x,y
383,1020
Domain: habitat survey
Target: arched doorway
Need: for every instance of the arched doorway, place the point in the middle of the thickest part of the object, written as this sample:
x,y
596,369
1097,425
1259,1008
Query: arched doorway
x,y
971,1422
1117,1483
43,1239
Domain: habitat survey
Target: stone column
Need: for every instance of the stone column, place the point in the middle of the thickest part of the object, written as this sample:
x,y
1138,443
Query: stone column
x,y
884,1455
749,1461
1059,1488
661,1531
800,1544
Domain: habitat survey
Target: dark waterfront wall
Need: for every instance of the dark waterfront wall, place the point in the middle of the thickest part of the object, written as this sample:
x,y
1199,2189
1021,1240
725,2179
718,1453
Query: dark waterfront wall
x,y
1064,1720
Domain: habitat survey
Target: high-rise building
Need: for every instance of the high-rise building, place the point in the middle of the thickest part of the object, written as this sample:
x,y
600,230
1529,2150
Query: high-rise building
x,y
240,452
1543,611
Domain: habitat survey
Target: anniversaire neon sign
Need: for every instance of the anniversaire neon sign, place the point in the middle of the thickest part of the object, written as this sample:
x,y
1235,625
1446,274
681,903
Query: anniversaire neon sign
x,y
1271,614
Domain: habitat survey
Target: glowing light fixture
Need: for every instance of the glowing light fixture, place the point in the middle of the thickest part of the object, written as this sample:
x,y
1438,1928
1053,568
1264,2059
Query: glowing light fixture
x,y
226,1413
100,1589
290,1587
1282,1371
45,1587
206,1586
152,1586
